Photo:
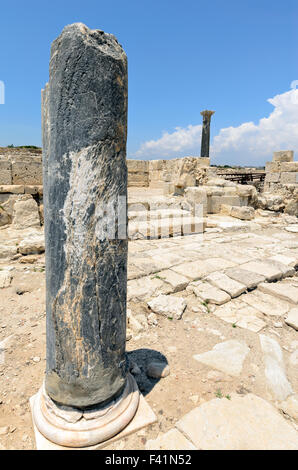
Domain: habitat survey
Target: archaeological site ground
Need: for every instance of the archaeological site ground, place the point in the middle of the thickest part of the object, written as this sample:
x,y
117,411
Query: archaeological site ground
x,y
144,304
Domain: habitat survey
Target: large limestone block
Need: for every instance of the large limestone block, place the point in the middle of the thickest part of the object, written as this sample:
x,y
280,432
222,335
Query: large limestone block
x,y
283,156
137,179
275,373
289,167
146,288
192,270
168,305
246,190
215,202
289,177
155,165
241,423
225,283
243,213
287,271
227,357
241,315
214,190
271,273
287,260
5,218
265,303
272,167
216,182
5,281
32,244
5,172
12,189
292,318
273,177
177,281
26,172
138,166
197,196
282,291
210,294
25,214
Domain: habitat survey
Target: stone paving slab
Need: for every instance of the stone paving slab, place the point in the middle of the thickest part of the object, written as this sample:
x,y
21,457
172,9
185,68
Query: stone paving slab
x,y
285,269
287,260
146,287
171,440
177,281
222,281
208,293
241,315
248,278
292,318
283,291
275,373
241,423
265,303
271,273
227,357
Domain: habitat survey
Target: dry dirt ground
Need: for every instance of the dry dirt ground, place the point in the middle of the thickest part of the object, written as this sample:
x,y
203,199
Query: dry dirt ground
x,y
190,383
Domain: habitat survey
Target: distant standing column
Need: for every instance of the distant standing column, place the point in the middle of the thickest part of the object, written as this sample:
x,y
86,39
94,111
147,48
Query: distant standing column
x,y
88,395
206,133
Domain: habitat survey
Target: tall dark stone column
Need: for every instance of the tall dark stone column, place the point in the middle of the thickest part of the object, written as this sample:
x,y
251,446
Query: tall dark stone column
x,y
205,143
87,384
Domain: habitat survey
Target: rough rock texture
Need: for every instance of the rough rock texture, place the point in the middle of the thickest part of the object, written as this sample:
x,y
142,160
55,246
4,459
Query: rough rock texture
x,y
84,140
243,213
168,305
25,213
275,368
227,357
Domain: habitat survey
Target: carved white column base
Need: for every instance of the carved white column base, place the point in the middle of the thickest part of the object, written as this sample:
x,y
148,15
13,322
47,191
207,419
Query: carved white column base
x,y
72,427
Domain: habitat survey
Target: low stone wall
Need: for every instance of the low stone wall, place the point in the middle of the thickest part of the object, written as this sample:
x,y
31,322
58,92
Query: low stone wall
x,y
282,170
138,173
20,166
170,175
281,184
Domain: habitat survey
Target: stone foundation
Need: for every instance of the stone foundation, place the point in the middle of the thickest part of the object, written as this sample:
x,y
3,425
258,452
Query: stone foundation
x,y
171,175
281,184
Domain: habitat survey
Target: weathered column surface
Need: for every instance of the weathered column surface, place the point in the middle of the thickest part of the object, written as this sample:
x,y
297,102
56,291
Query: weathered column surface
x,y
205,143
84,114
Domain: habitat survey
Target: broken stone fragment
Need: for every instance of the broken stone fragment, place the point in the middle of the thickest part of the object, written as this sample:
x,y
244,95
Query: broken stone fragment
x,y
158,370
242,213
168,305
292,318
5,279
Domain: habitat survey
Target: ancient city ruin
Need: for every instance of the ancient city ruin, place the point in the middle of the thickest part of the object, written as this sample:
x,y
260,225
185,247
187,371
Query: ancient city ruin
x,y
145,304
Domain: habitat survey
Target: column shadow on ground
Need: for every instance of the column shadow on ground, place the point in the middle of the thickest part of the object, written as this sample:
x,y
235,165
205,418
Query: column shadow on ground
x,y
142,358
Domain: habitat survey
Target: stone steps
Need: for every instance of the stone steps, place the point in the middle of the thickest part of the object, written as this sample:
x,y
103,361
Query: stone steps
x,y
164,228
146,215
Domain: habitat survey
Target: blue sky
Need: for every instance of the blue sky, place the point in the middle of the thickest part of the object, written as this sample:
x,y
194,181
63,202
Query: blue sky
x,y
183,56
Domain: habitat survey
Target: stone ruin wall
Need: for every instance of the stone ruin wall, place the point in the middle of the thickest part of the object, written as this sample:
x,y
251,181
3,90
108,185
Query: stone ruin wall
x,y
21,191
281,184
170,175
21,187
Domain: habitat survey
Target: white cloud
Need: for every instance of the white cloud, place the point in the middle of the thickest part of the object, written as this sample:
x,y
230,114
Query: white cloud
x,y
248,143
176,144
